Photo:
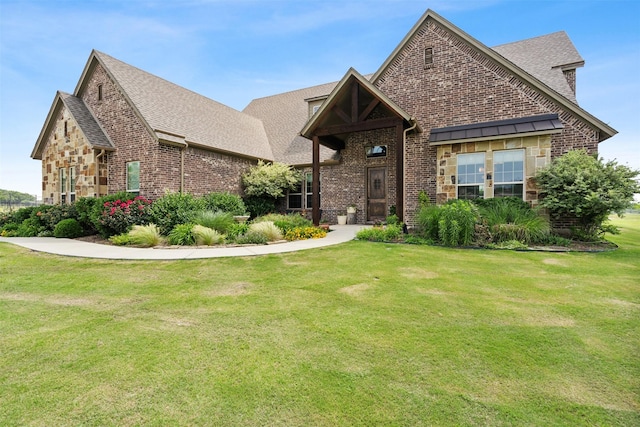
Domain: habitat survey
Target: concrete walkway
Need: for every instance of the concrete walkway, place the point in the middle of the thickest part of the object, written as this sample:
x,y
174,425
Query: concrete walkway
x,y
78,248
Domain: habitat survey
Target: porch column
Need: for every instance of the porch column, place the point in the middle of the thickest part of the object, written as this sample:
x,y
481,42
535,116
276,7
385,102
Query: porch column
x,y
315,182
400,171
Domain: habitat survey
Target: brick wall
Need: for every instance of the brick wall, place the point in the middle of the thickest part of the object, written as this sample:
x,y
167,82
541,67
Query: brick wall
x,y
462,86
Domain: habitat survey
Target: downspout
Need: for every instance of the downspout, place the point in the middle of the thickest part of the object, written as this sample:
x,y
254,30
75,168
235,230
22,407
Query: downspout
x,y
404,168
186,145
102,153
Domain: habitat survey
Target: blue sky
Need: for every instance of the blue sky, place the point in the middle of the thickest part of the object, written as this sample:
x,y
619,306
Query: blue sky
x,y
237,50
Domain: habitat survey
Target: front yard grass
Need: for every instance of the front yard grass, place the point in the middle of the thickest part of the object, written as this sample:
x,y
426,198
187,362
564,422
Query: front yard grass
x,y
359,334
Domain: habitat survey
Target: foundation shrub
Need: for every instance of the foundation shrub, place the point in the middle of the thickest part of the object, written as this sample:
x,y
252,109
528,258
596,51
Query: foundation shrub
x,y
388,233
175,208
451,224
181,235
511,218
225,202
259,206
237,230
117,213
69,228
218,220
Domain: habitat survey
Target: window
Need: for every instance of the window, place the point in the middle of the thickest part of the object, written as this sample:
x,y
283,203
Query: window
x,y
66,128
62,175
428,57
314,109
99,92
301,197
470,180
508,173
72,185
133,177
376,151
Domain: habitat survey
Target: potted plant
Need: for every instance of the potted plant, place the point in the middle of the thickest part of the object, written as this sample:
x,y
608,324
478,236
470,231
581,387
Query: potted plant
x,y
342,219
351,208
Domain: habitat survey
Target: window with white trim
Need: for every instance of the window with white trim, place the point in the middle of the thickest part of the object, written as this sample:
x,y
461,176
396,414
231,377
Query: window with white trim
x,y
72,184
301,197
508,173
133,177
470,178
62,178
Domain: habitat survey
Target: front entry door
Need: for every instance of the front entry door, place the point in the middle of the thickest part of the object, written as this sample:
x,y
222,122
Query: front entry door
x,y
376,194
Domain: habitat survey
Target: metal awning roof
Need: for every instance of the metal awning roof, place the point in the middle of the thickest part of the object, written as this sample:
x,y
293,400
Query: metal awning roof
x,y
533,125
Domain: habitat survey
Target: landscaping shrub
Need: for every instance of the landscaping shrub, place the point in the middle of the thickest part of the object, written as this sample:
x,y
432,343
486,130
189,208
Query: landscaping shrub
x,y
173,209
84,207
145,235
268,229
270,180
304,233
69,228
456,224
511,218
121,239
259,206
236,230
206,236
286,222
427,220
578,185
252,238
218,220
117,213
225,202
30,227
50,215
181,235
389,233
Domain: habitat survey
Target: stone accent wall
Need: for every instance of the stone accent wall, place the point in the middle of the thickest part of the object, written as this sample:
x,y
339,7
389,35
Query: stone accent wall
x,y
537,154
68,151
462,86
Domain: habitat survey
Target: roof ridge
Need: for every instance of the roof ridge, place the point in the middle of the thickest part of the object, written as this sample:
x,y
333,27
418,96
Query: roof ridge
x,y
531,38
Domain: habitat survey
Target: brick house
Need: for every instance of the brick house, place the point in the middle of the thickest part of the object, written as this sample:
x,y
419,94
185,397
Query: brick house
x,y
443,114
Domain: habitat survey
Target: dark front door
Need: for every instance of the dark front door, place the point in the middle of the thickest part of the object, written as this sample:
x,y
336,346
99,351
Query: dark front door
x,y
376,194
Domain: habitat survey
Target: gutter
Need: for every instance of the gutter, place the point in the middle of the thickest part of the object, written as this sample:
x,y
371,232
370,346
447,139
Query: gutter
x,y
182,151
404,165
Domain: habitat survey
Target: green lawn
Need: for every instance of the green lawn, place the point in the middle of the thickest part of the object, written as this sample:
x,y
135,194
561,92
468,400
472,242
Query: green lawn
x,y
358,334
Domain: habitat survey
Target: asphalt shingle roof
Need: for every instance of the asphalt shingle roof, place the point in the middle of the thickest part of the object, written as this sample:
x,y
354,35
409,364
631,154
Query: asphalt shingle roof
x,y
543,57
86,121
169,108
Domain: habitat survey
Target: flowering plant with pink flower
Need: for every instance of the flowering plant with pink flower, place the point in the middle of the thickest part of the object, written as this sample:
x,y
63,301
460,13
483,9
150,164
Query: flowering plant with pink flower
x,y
119,216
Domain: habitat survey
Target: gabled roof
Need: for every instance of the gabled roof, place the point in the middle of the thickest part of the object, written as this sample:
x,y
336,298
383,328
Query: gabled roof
x,y
283,116
544,124
605,130
176,115
545,57
93,133
341,90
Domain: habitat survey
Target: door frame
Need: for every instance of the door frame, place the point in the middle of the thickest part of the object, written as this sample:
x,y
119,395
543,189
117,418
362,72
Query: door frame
x,y
385,187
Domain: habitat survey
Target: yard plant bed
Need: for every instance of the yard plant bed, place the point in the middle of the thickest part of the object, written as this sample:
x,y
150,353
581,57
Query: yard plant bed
x,y
357,334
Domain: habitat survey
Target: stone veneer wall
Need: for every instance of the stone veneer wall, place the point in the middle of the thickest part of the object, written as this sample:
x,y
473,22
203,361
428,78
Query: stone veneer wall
x,y
537,155
69,151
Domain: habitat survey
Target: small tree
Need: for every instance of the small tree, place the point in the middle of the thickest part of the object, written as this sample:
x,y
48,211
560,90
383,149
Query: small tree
x,y
587,188
270,180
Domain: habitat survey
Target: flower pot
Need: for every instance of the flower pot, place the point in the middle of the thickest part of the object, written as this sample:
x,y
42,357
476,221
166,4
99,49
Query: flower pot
x,y
351,209
342,219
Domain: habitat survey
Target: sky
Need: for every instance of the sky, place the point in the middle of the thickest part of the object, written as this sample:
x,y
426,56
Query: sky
x,y
234,51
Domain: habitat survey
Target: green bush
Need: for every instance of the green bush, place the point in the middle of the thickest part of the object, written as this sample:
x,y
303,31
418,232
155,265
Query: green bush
x,y
175,208
578,185
84,206
218,220
69,228
389,233
50,215
236,230
181,235
270,180
252,238
427,220
206,236
259,206
30,227
452,224
285,222
121,239
511,218
225,202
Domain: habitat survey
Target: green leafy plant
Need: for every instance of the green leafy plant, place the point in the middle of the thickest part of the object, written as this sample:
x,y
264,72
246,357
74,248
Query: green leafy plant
x,y
218,220
116,214
578,185
252,238
121,239
181,235
270,179
225,202
236,230
259,206
206,236
173,209
69,228
511,218
145,235
286,222
389,233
